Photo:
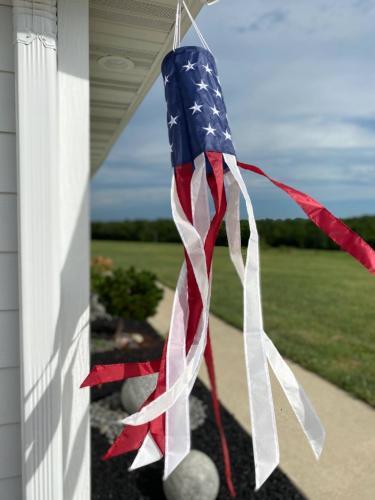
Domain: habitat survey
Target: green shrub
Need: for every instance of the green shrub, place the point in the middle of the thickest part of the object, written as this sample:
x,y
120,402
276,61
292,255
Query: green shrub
x,y
128,293
100,267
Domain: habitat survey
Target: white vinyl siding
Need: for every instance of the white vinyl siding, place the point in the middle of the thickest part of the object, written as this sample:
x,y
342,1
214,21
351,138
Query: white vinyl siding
x,y
10,488
9,338
10,457
10,447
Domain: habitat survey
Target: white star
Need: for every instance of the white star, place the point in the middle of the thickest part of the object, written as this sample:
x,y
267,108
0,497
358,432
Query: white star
x,y
215,111
171,147
196,108
217,93
207,68
227,135
172,121
202,85
209,129
166,79
189,66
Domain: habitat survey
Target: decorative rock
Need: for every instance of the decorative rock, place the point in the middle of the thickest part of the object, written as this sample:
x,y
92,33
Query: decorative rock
x,y
136,390
137,337
196,478
122,340
105,416
198,412
97,310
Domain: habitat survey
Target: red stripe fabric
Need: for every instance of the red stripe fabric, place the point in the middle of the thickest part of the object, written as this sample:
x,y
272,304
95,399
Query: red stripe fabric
x,y
216,184
130,439
208,355
334,228
130,436
102,374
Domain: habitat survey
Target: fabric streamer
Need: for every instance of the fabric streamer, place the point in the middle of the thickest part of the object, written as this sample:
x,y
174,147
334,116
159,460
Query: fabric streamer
x,y
206,174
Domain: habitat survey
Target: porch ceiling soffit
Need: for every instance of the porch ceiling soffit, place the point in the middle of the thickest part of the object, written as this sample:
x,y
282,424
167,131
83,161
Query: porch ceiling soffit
x,y
128,40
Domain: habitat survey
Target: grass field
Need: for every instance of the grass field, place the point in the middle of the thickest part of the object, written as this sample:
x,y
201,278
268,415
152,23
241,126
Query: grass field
x,y
318,305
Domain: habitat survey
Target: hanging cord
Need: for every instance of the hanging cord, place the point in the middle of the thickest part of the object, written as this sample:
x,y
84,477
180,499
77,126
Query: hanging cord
x,y
177,29
177,26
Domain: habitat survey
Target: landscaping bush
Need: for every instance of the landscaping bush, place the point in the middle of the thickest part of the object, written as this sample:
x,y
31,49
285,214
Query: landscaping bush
x,y
127,293
100,267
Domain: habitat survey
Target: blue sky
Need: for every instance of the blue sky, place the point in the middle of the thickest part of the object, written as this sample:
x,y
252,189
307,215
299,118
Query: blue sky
x,y
299,84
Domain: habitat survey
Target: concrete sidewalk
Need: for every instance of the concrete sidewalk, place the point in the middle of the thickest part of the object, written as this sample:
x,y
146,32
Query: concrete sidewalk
x,y
346,469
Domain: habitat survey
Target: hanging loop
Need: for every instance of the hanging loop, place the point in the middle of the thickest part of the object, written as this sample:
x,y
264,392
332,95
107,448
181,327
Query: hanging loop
x,y
177,28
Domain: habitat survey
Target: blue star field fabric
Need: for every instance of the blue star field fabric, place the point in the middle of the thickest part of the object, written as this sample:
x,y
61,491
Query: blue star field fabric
x,y
196,113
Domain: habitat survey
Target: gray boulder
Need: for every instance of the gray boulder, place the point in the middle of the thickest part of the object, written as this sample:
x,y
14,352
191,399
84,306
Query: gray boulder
x,y
136,390
196,478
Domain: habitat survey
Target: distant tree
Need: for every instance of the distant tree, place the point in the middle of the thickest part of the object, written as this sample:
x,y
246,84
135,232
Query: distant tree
x,y
299,233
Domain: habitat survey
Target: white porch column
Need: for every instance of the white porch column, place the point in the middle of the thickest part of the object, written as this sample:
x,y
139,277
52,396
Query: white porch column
x,y
38,229
52,143
73,81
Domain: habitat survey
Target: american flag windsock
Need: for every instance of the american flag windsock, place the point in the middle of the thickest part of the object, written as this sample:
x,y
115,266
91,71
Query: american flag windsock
x,y
205,167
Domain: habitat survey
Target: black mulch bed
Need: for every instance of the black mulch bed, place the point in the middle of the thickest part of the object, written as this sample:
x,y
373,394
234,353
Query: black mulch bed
x,y
111,480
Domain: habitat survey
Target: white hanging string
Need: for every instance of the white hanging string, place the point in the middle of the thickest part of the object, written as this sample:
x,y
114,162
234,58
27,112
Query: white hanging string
x,y
198,31
177,28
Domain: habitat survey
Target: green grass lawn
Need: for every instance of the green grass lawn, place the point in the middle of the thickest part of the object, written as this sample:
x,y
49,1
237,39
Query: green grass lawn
x,y
318,305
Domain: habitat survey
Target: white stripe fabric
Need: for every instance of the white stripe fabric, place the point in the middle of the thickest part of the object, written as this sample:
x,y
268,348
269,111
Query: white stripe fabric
x,y
301,406
177,436
195,249
182,370
177,423
199,197
298,400
263,422
177,419
147,454
232,224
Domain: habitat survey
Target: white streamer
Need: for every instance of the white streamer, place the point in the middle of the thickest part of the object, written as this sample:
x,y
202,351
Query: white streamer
x,y
177,437
297,398
147,454
177,420
232,226
195,250
263,422
177,431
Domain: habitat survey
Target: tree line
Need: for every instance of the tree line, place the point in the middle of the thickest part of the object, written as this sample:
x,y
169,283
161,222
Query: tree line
x,y
299,233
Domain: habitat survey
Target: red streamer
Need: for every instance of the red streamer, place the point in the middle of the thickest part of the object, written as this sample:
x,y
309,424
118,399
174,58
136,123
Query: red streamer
x,y
334,228
216,184
102,374
131,437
